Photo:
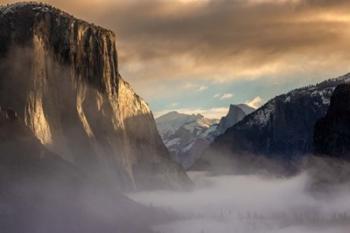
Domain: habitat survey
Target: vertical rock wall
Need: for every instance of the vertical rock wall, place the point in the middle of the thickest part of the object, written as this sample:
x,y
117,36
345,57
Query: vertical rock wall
x,y
61,76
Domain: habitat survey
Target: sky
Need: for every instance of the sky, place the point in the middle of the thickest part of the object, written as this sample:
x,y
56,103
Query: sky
x,y
200,56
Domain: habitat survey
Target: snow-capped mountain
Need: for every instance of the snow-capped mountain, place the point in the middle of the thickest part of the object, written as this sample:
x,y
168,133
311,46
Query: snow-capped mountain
x,y
187,136
282,129
169,123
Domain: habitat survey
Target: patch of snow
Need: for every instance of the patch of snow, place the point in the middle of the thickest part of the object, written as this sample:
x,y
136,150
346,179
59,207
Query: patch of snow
x,y
325,101
173,142
262,116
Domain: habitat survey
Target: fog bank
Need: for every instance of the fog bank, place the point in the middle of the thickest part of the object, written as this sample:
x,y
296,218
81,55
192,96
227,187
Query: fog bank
x,y
250,204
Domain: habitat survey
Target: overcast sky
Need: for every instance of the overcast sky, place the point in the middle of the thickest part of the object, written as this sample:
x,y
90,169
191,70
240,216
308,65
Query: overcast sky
x,y
202,55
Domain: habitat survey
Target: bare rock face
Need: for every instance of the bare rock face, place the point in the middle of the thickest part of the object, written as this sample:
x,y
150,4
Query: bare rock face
x,y
60,75
236,114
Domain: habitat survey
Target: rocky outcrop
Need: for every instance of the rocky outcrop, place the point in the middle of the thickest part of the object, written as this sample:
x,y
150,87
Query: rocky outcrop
x,y
280,130
332,132
60,75
235,114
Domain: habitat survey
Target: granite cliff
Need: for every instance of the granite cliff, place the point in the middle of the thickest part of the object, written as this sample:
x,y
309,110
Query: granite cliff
x,y
60,75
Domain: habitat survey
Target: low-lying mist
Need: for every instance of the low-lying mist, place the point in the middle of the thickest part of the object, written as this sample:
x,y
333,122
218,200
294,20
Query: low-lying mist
x,y
250,204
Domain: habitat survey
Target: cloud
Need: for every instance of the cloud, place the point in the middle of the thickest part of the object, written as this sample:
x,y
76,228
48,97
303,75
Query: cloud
x,y
226,96
202,88
195,87
175,104
223,96
209,39
211,113
255,103
190,86
222,39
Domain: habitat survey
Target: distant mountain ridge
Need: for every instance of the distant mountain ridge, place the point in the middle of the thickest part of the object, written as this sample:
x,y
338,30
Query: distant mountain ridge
x,y
183,134
186,136
169,123
281,129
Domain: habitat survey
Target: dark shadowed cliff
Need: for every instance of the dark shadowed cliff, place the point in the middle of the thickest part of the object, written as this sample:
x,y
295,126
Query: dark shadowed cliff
x,y
332,132
60,75
330,165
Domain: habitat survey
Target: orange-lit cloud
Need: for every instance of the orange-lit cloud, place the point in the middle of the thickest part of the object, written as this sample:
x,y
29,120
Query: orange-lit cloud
x,y
255,103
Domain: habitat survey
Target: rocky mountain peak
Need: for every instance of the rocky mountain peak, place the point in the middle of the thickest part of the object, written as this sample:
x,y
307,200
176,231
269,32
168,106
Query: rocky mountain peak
x,y
233,108
235,114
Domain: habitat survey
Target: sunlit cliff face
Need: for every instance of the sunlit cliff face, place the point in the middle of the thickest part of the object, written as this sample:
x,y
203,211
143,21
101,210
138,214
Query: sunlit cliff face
x,y
34,115
69,93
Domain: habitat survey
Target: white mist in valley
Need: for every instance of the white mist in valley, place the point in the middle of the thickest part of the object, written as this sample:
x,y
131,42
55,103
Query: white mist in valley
x,y
250,204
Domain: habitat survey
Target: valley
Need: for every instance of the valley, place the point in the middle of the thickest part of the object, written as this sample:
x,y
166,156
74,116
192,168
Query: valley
x,y
82,152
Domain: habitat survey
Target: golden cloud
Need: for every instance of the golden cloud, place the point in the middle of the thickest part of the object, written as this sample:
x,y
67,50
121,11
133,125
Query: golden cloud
x,y
223,39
